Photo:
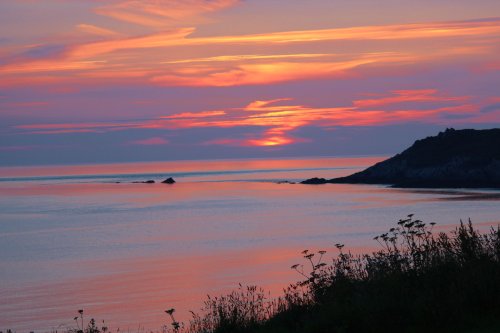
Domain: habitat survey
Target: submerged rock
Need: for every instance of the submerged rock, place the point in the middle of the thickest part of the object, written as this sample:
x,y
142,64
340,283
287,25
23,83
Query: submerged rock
x,y
145,182
285,182
169,180
314,181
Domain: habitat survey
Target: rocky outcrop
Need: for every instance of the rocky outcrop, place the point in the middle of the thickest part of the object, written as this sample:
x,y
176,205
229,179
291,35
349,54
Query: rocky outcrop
x,y
315,181
453,158
169,180
145,182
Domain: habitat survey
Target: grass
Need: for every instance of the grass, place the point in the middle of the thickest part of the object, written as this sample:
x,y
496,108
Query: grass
x,y
419,281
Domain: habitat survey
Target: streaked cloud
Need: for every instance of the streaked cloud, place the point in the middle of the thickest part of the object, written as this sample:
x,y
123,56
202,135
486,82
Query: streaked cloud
x,y
281,117
162,13
248,57
404,96
17,148
139,58
273,72
131,75
190,115
491,108
154,141
95,30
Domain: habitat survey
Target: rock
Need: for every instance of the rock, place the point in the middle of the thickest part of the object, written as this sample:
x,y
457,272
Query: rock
x,y
314,181
145,182
452,159
169,180
285,182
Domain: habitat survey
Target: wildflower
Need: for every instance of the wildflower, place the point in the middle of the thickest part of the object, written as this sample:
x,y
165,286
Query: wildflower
x,y
294,266
170,311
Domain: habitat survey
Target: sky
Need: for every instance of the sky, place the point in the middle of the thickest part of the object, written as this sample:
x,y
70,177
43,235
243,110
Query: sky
x,y
94,81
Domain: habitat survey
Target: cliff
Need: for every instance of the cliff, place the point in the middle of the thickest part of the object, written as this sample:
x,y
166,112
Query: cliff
x,y
453,158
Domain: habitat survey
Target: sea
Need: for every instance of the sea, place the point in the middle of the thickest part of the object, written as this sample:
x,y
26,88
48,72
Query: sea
x,y
90,237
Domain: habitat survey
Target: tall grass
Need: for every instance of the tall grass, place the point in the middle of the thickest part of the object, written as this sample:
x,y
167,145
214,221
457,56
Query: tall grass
x,y
419,281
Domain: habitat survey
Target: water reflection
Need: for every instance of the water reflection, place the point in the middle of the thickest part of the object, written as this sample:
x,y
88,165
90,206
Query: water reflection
x,y
125,252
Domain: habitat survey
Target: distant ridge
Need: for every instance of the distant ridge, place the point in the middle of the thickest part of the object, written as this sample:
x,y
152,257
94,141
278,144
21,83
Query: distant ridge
x,y
454,158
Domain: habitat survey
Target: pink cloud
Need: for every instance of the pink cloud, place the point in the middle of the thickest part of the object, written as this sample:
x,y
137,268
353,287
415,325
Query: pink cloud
x,y
154,141
280,117
195,114
162,13
151,58
403,96
66,131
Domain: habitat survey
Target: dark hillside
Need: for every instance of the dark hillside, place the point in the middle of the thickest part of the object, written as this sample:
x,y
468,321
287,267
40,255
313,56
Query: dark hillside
x,y
453,158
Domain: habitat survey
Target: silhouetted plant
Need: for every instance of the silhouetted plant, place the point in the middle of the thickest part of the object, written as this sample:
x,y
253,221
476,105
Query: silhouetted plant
x,y
91,327
175,324
418,281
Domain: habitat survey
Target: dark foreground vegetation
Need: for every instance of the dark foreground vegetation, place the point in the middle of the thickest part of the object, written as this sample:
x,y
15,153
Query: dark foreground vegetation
x,y
419,281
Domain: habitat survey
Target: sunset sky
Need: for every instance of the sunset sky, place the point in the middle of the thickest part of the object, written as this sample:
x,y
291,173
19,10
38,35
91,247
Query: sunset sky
x,y
86,81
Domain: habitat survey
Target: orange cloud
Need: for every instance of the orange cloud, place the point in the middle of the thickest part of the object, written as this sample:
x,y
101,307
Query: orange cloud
x,y
280,117
195,115
181,37
164,39
142,58
266,105
388,32
271,141
274,72
244,57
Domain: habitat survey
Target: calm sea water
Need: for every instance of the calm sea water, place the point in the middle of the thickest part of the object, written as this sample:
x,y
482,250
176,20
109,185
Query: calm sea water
x,y
73,238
